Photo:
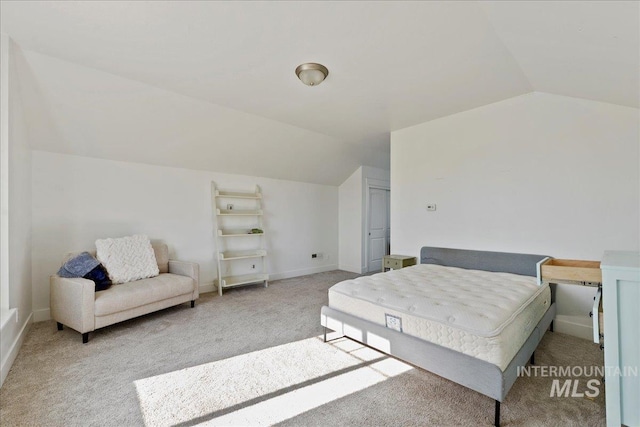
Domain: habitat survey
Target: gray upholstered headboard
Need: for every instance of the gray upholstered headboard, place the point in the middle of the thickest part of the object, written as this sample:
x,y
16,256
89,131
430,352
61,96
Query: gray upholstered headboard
x,y
523,264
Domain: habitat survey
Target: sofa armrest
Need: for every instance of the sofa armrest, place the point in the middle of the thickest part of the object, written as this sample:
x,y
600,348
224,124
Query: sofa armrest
x,y
189,269
72,302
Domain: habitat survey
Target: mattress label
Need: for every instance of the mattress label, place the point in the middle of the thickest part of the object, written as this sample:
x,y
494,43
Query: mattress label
x,y
393,322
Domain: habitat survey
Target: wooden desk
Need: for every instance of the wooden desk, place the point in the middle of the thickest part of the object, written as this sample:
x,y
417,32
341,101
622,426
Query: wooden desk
x,y
571,271
578,272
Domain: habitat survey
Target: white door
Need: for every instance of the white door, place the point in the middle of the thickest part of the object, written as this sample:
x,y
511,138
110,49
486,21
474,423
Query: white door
x,y
378,233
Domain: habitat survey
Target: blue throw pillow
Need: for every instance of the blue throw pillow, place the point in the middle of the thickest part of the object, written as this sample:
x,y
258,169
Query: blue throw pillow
x,y
100,277
78,266
86,266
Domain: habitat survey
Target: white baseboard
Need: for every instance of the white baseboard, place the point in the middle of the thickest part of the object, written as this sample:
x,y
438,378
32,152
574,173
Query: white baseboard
x,y
213,286
350,268
11,355
208,287
41,315
576,326
302,272
45,313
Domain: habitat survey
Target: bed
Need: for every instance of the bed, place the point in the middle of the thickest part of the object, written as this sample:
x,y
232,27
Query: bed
x,y
472,317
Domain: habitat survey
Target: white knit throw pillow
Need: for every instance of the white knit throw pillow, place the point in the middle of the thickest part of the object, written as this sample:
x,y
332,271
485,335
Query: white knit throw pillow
x,y
127,258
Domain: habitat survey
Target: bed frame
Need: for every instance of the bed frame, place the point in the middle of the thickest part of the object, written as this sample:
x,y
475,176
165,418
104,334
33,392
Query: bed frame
x,y
476,374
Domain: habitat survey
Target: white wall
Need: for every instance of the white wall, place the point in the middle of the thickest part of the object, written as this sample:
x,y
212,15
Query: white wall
x,y
538,173
350,222
354,202
77,200
4,176
79,110
16,213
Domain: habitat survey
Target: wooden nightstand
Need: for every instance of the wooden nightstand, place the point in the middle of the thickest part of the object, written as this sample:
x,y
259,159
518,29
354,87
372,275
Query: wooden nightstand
x,y
396,262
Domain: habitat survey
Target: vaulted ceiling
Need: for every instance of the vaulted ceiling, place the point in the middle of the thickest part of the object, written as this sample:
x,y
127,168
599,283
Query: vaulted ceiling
x,y
392,65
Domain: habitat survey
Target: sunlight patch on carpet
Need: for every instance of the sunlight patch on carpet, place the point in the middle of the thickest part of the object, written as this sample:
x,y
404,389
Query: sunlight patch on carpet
x,y
264,387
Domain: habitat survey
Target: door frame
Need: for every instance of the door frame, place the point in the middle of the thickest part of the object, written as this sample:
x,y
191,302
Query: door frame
x,y
370,183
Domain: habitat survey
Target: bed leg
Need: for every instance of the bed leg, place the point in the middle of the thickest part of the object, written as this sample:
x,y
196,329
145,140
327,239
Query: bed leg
x,y
533,358
497,414
551,327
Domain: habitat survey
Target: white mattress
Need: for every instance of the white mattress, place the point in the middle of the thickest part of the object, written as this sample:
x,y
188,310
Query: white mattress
x,y
481,314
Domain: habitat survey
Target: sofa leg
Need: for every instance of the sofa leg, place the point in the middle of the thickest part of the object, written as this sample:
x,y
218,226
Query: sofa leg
x,y
59,326
85,338
193,303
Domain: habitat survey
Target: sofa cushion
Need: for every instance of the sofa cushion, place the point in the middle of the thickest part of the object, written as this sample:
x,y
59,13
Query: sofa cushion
x,y
134,294
127,258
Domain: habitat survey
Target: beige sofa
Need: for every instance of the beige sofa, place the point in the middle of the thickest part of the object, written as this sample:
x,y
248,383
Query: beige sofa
x,y
75,303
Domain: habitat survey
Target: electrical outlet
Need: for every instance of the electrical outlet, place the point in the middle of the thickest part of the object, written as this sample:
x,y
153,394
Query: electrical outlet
x,y
253,266
320,255
431,207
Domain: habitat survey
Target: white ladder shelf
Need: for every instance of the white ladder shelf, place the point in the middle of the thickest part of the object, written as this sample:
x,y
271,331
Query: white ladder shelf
x,y
240,237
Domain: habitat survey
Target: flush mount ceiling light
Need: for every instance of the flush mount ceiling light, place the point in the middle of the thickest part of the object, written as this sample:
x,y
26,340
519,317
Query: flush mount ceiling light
x,y
312,74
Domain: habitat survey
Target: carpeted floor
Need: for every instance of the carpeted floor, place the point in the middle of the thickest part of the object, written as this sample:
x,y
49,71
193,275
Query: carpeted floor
x,y
255,357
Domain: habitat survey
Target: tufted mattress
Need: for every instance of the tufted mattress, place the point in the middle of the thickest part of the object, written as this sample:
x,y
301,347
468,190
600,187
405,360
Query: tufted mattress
x,y
479,313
